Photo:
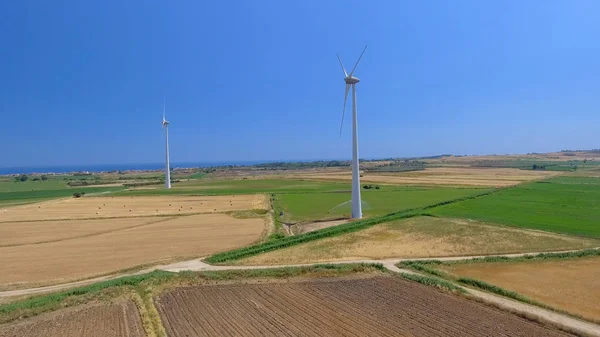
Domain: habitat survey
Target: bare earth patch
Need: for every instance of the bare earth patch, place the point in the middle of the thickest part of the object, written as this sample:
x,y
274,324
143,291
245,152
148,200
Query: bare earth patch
x,y
105,207
377,306
313,226
455,176
422,237
114,320
572,284
184,236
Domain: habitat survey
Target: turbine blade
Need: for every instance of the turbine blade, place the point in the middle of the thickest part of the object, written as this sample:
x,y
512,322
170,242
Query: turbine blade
x,y
344,110
344,69
164,107
361,55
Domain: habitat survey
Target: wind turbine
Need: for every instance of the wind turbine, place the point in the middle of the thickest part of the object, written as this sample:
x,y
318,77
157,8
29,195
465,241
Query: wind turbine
x,y
165,125
351,82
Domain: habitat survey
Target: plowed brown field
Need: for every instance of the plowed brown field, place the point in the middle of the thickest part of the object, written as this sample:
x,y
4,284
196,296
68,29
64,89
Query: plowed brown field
x,y
377,306
116,320
572,285
111,207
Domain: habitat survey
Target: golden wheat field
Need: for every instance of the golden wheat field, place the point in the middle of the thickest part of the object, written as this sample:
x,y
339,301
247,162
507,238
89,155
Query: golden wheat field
x,y
161,239
116,207
75,238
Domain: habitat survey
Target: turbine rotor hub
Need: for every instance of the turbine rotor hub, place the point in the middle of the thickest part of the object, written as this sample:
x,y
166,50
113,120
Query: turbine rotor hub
x,y
351,80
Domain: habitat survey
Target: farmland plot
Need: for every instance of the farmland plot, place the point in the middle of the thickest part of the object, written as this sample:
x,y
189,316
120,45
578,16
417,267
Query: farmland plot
x,y
454,176
422,237
71,257
111,207
570,284
382,306
114,320
562,204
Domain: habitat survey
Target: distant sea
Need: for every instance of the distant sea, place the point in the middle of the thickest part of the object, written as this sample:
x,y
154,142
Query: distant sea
x,y
118,167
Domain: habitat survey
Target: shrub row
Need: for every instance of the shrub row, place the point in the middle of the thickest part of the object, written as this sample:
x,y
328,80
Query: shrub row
x,y
540,256
420,266
433,282
494,289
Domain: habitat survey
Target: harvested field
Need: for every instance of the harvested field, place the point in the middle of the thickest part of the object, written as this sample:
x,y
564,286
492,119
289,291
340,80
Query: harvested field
x,y
114,320
382,306
105,207
570,284
32,232
184,236
455,176
422,237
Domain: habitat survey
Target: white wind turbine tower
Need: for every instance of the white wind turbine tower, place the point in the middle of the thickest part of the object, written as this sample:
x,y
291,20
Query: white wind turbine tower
x,y
165,125
351,81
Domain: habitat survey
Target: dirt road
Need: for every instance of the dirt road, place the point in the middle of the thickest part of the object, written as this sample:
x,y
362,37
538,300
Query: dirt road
x,y
583,327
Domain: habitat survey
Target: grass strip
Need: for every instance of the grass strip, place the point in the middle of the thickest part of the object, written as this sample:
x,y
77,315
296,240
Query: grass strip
x,y
150,317
534,257
148,323
285,272
57,298
433,282
289,241
423,267
497,290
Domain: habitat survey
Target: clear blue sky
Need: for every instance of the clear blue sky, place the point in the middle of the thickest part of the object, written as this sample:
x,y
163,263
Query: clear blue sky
x,y
82,82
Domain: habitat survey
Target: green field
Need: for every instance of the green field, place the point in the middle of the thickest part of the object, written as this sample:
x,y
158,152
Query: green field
x,y
16,193
28,186
388,199
563,204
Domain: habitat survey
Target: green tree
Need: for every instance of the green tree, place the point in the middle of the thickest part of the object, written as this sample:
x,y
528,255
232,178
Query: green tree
x,y
22,177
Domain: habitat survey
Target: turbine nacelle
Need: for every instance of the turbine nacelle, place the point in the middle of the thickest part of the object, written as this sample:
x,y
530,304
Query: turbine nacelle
x,y
351,80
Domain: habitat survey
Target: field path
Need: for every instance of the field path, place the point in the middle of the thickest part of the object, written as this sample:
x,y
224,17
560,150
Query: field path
x,y
586,328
